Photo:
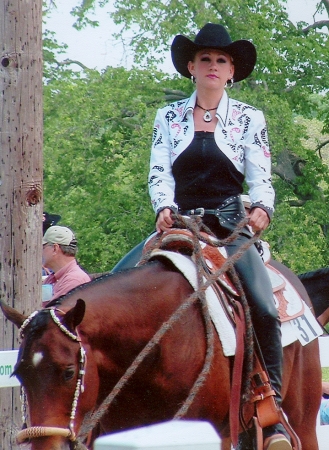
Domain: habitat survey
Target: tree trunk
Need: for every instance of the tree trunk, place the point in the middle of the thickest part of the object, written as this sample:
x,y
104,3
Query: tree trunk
x,y
20,180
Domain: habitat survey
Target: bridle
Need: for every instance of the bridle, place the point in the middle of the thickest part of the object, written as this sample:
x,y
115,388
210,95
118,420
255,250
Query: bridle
x,y
39,431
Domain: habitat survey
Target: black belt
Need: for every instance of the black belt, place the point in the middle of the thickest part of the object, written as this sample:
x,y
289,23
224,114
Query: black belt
x,y
229,213
199,212
232,204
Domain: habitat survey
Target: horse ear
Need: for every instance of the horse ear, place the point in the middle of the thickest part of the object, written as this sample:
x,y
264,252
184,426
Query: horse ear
x,y
74,316
12,315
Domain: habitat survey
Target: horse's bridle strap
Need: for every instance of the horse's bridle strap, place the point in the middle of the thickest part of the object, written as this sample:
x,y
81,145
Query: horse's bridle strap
x,y
35,432
68,433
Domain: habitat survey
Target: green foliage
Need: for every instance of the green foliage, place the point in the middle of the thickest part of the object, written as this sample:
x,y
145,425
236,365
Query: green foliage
x,y
51,50
97,142
325,374
325,113
296,239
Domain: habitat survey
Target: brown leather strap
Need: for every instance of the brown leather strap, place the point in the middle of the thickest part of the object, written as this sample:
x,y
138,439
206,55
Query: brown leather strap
x,y
237,374
260,397
267,412
263,395
259,434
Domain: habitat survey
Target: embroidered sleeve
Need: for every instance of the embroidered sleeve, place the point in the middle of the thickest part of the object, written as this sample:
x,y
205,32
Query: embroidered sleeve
x,y
258,163
161,183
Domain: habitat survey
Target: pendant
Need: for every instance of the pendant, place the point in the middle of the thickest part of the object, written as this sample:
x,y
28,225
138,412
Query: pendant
x,y
207,117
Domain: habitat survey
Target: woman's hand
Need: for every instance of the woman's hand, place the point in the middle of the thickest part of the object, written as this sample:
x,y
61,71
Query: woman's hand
x,y
258,219
164,221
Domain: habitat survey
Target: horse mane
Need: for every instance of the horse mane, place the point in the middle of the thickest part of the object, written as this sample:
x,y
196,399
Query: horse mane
x,y
314,274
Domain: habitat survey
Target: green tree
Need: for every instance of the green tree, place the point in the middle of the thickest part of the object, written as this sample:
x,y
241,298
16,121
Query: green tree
x,y
97,144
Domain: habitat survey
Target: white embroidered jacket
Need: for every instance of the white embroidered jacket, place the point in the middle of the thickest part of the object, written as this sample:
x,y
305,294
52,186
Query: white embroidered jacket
x,y
240,133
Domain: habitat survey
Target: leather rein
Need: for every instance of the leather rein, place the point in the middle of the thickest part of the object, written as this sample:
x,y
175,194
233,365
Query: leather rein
x,y
28,433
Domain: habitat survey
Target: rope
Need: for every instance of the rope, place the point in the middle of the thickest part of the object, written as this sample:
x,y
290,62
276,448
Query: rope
x,y
196,226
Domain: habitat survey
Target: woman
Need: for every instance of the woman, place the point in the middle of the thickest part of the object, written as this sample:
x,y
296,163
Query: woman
x,y
203,150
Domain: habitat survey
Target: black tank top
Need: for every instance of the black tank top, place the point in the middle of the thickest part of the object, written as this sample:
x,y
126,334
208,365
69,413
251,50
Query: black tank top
x,y
204,176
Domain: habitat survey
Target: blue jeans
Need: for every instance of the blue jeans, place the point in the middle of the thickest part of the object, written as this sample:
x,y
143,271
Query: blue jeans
x,y
324,411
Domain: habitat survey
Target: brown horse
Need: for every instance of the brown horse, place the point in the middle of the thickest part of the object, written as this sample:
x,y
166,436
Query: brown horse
x,y
317,285
118,316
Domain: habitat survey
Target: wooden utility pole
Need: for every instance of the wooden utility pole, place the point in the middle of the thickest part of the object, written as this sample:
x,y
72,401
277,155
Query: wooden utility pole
x,y
20,180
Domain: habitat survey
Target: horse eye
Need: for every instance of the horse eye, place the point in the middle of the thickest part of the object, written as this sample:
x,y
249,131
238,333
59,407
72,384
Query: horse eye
x,y
68,374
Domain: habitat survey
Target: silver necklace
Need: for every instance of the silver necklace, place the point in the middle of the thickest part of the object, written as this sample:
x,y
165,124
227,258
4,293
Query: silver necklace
x,y
207,116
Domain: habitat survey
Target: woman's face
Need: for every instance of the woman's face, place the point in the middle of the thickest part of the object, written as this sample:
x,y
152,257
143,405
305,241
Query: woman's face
x,y
211,68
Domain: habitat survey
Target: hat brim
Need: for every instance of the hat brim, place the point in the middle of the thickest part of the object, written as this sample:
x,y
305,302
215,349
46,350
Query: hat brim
x,y
243,53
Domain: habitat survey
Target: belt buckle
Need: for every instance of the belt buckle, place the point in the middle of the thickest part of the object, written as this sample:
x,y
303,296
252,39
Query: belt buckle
x,y
199,212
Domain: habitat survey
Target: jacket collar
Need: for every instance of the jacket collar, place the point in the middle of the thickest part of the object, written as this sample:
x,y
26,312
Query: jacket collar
x,y
189,105
223,107
221,112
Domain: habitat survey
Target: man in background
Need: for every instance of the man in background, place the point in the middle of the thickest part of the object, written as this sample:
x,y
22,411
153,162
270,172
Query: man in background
x,y
59,249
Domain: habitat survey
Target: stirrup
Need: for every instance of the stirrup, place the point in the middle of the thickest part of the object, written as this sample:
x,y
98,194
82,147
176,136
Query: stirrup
x,y
268,412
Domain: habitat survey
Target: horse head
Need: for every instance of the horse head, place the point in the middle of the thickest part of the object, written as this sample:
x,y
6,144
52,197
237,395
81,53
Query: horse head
x,y
56,366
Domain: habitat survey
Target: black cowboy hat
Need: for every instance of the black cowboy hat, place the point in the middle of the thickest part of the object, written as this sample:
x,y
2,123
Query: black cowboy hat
x,y
213,35
49,220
